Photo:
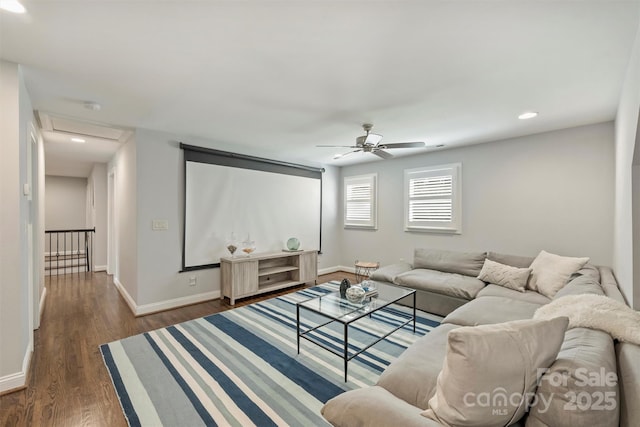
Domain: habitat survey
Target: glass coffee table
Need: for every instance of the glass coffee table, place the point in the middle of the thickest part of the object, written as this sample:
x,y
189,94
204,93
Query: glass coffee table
x,y
334,308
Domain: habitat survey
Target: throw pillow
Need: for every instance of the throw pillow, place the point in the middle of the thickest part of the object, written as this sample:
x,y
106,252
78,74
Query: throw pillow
x,y
490,372
550,272
504,275
467,263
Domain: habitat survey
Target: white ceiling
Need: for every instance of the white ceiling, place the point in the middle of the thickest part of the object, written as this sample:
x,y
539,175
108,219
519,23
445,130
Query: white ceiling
x,y
279,77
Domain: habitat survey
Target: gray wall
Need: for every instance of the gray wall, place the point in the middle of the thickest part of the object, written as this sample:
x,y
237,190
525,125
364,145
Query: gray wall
x,y
97,213
66,200
551,191
160,189
627,190
16,323
123,166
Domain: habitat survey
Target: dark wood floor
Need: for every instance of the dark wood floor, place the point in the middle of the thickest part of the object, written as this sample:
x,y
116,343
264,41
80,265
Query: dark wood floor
x,y
68,384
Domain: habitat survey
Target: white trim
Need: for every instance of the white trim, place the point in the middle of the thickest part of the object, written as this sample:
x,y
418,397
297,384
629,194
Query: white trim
x,y
335,269
130,302
370,180
19,379
99,268
142,310
454,226
43,297
176,302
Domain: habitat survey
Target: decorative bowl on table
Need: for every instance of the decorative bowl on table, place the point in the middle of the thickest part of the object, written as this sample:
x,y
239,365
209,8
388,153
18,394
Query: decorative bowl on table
x,y
369,286
355,294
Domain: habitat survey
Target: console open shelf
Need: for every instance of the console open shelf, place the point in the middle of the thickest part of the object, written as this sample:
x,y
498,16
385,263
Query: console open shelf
x,y
247,276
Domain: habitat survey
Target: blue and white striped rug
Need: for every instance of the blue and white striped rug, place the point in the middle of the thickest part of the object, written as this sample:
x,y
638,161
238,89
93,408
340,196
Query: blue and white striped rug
x,y
240,367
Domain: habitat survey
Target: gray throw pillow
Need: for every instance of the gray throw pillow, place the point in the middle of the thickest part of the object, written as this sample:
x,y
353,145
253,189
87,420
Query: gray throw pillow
x,y
490,372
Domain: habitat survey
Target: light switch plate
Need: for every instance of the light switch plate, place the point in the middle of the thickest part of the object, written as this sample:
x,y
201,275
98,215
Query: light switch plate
x,y
159,224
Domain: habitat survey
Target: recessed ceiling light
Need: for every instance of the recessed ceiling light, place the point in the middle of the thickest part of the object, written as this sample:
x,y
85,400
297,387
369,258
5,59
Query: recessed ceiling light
x,y
528,115
13,6
80,140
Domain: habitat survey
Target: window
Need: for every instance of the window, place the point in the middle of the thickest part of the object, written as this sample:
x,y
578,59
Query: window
x,y
433,199
360,205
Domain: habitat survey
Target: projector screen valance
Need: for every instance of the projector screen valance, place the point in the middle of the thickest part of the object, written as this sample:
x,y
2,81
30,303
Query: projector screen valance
x,y
268,200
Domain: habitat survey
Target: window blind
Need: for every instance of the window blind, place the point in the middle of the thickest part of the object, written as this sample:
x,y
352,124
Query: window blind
x,y
360,201
432,198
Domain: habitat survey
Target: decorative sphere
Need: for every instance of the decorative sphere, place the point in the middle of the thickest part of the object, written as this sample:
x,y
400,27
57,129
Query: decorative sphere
x,y
293,244
355,294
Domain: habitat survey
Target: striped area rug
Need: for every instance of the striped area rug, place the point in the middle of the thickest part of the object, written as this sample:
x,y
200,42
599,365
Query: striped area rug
x,y
241,368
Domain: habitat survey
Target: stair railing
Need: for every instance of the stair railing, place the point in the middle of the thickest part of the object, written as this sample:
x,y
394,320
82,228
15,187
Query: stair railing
x,y
69,249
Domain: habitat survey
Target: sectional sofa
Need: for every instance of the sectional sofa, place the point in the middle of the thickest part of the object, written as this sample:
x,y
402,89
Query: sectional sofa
x,y
589,379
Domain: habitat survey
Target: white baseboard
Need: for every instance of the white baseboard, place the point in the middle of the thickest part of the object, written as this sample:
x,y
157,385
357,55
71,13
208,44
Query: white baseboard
x,y
99,268
19,379
336,268
176,302
43,297
130,302
144,309
328,270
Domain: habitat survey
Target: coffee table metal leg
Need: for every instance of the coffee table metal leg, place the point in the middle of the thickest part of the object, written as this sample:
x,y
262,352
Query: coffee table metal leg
x,y
346,350
414,312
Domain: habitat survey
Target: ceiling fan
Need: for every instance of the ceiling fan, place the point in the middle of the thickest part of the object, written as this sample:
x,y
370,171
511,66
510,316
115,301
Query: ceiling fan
x,y
371,143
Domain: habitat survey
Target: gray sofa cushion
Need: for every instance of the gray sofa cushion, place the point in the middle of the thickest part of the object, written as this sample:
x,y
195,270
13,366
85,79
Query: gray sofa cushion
x,y
609,284
512,260
452,284
413,376
373,406
389,272
579,285
584,352
490,310
590,270
500,291
468,263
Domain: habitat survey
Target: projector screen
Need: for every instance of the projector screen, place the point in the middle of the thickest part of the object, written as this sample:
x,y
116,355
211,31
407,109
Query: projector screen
x,y
266,200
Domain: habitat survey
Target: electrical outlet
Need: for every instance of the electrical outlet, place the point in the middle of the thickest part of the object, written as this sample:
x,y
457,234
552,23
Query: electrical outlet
x,y
192,280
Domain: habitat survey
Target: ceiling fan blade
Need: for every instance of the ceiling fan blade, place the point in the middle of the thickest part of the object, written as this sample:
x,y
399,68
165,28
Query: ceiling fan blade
x,y
372,139
339,156
338,146
383,154
404,145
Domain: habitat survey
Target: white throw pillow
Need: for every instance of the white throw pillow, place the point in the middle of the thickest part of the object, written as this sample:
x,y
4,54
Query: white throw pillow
x,y
490,372
504,275
551,272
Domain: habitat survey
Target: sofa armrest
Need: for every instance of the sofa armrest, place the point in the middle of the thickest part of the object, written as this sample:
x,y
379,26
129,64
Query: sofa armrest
x,y
389,272
373,406
628,356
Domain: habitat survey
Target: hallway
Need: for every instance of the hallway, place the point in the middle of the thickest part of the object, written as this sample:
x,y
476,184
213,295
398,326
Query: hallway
x,y
68,384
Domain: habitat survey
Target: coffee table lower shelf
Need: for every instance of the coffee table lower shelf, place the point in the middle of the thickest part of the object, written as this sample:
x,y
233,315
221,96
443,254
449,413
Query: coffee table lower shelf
x,y
346,321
